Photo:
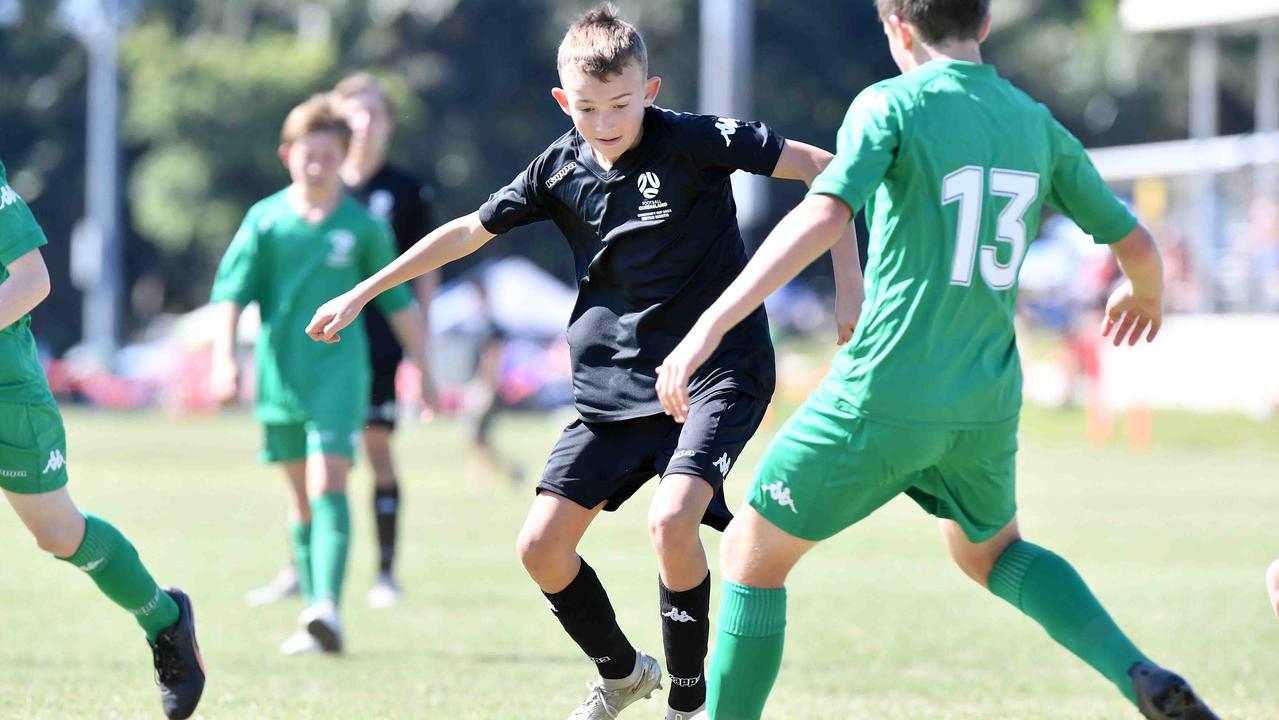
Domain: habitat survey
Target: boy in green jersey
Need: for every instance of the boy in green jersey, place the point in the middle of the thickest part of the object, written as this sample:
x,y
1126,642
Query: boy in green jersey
x,y
33,472
294,250
953,165
1272,585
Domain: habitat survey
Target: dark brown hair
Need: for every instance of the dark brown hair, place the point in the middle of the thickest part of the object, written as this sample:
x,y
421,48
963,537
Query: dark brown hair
x,y
317,114
939,20
600,44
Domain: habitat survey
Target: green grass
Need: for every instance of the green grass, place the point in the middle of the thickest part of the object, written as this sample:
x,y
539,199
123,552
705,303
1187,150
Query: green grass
x,y
1174,540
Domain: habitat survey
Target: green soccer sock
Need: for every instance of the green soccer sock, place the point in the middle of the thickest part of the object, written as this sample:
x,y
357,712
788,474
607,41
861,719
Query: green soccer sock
x,y
748,651
1044,586
330,540
111,561
300,541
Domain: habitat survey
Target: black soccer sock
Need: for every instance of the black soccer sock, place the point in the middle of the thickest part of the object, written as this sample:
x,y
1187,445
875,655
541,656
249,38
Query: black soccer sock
x,y
386,507
587,615
685,632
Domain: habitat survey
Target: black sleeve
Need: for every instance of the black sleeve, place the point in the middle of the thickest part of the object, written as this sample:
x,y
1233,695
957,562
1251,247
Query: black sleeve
x,y
517,204
716,142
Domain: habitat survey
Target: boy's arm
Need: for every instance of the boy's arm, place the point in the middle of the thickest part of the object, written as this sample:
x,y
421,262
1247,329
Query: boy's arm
x,y
452,240
800,161
224,375
26,287
410,327
804,234
1137,304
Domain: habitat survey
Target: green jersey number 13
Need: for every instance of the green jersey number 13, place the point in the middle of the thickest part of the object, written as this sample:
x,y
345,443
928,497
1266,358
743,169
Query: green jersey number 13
x,y
965,186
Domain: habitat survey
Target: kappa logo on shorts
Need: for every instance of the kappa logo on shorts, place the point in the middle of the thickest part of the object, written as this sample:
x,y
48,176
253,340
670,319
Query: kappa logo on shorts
x,y
56,462
723,463
780,495
12,473
683,454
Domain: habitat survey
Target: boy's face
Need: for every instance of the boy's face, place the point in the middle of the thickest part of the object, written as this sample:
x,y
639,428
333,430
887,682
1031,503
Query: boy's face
x,y
608,113
313,160
370,122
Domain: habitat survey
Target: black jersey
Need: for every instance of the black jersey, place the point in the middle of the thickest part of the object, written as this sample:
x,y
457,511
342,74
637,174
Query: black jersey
x,y
655,241
404,202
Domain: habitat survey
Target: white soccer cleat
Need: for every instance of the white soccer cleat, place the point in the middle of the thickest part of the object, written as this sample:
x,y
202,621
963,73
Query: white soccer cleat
x,y
602,703
283,586
698,714
321,622
299,643
385,592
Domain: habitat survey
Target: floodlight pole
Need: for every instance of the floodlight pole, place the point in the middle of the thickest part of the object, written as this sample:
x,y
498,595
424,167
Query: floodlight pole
x,y
98,264
724,83
1203,125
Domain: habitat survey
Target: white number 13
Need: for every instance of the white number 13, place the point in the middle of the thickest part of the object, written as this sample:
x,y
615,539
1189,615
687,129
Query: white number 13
x,y
965,187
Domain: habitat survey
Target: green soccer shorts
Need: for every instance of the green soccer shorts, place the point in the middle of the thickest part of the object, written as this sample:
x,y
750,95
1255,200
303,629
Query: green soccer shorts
x,y
829,467
33,448
290,442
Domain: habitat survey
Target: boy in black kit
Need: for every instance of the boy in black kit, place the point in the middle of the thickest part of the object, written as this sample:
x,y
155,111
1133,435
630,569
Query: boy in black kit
x,y
642,195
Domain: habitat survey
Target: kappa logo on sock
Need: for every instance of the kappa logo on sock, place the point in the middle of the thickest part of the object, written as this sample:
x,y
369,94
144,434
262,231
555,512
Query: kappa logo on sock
x,y
551,605
679,615
601,661
150,606
91,566
685,682
56,462
780,495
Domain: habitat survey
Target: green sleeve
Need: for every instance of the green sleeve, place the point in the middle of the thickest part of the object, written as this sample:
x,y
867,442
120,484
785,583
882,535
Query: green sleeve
x,y
865,147
19,231
379,251
241,267
1079,192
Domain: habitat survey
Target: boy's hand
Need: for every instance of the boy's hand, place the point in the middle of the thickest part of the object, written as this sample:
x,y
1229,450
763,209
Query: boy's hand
x,y
848,308
333,316
429,398
224,380
678,367
1133,314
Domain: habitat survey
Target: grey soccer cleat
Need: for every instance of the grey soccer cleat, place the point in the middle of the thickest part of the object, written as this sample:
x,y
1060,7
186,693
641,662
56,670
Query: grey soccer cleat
x,y
601,703
698,714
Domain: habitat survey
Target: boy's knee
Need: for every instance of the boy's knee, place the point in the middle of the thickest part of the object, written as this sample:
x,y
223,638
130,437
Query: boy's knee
x,y
671,530
541,555
59,540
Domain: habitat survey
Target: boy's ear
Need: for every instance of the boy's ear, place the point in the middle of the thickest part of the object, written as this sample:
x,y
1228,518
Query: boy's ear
x,y
902,30
284,155
985,30
651,86
561,97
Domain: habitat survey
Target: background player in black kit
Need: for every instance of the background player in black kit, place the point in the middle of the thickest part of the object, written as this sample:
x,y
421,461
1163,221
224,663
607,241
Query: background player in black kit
x,y
404,202
642,195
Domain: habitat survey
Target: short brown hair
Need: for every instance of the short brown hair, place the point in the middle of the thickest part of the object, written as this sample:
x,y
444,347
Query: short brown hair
x,y
939,20
600,44
317,114
362,82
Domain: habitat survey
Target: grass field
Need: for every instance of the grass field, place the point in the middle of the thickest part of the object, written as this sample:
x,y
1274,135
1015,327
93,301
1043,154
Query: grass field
x,y
1174,540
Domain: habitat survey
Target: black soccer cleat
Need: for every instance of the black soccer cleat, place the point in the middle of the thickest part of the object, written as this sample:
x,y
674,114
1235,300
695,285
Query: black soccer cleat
x,y
1164,695
179,669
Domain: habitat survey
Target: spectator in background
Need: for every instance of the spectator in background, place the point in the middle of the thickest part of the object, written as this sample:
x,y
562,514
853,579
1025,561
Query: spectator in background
x,y
482,401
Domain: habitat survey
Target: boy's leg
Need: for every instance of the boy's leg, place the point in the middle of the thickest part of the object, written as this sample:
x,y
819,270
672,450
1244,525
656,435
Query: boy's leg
x,y
97,548
285,445
684,585
330,524
378,432
1272,585
755,558
299,516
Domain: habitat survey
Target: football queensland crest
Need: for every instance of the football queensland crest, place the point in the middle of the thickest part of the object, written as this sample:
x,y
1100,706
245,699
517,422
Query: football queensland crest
x,y
341,245
649,185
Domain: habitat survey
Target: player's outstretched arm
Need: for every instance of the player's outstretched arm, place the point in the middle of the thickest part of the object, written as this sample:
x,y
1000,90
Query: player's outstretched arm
x,y
450,241
800,238
1136,306
26,287
801,161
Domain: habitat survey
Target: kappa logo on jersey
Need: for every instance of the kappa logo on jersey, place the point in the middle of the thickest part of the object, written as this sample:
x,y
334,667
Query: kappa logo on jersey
x,y
780,495
341,243
723,463
56,462
726,127
381,203
560,175
7,196
679,616
649,185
